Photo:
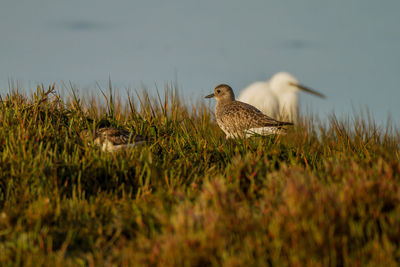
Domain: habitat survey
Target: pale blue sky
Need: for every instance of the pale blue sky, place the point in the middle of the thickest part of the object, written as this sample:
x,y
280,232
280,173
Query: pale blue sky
x,y
348,50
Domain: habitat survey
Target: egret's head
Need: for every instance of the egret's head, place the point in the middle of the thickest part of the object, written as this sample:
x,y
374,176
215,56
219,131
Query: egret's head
x,y
283,82
223,92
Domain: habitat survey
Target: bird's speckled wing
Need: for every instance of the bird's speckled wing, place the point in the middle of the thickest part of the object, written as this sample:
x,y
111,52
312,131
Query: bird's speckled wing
x,y
115,136
240,116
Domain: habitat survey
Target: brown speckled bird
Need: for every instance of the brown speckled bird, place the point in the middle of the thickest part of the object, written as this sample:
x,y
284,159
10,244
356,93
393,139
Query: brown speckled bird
x,y
111,139
238,119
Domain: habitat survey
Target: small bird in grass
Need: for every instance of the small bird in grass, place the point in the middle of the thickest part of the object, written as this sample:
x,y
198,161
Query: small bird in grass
x,y
111,139
238,119
276,97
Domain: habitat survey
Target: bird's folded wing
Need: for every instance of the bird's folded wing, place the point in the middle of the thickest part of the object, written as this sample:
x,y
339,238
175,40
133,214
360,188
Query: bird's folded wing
x,y
115,136
244,116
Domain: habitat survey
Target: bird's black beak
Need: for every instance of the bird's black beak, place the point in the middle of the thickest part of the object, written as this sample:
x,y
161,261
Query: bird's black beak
x,y
210,96
308,90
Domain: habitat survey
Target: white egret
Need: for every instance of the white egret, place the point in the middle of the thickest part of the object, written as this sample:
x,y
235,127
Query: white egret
x,y
276,97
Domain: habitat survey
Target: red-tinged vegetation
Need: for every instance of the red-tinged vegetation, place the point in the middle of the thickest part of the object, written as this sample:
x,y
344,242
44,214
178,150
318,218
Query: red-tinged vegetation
x,y
325,194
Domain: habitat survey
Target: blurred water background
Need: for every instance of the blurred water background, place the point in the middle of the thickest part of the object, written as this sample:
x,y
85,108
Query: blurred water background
x,y
348,50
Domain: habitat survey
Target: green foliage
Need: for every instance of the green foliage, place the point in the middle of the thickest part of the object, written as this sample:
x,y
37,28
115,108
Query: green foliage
x,y
322,195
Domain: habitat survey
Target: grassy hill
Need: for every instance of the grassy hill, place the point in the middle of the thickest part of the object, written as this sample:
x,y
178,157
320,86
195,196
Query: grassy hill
x,y
323,195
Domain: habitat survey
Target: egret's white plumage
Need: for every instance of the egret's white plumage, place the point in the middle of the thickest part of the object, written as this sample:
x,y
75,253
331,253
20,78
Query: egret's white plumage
x,y
276,97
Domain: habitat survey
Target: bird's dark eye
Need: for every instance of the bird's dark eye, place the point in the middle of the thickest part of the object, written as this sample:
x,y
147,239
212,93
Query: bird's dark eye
x,y
218,91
